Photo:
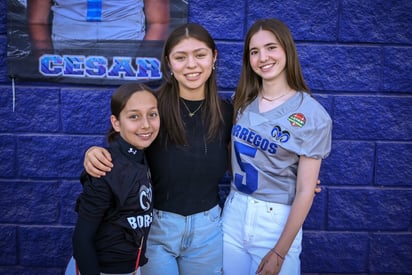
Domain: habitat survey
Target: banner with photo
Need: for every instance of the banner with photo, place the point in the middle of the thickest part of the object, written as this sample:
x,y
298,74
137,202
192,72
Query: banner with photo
x,y
103,42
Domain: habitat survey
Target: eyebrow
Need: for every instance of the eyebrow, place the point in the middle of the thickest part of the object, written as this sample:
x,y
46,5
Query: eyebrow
x,y
139,110
267,44
195,50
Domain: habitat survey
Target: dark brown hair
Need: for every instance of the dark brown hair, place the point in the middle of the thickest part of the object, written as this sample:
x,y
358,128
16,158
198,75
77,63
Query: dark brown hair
x,y
250,83
169,108
120,97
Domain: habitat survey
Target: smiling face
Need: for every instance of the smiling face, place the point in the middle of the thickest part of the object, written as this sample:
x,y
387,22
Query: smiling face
x,y
191,62
267,58
139,121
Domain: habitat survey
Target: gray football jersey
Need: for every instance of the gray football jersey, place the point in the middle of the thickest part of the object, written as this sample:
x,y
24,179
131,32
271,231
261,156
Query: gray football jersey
x,y
266,146
81,20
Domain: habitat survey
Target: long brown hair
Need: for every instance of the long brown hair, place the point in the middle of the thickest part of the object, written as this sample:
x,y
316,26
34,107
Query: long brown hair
x,y
120,97
169,107
250,83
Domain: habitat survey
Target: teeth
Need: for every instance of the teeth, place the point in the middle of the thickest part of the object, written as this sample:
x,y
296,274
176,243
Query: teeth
x,y
192,74
267,66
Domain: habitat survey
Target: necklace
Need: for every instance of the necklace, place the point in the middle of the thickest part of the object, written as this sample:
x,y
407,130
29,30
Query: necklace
x,y
272,99
195,111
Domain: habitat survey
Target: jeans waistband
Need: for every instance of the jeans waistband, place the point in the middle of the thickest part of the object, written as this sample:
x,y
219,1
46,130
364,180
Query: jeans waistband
x,y
269,206
203,213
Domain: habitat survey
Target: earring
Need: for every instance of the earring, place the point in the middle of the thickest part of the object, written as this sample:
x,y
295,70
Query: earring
x,y
171,73
213,68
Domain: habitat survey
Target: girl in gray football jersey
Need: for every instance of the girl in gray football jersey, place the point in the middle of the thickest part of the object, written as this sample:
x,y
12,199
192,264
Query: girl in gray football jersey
x,y
279,138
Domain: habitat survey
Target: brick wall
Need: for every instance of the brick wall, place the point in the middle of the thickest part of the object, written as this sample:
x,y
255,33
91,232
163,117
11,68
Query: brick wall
x,y
356,57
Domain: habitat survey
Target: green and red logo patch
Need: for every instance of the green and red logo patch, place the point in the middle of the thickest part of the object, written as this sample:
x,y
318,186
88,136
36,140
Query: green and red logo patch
x,y
297,120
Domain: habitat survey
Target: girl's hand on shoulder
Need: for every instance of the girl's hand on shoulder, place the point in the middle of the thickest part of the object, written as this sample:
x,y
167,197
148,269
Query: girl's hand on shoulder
x,y
97,161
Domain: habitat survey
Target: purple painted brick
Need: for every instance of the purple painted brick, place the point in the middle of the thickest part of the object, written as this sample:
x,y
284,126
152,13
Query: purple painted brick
x,y
7,156
31,271
325,100
308,20
316,218
390,209
29,202
70,190
348,210
220,18
45,247
390,253
350,163
369,209
229,64
86,111
3,58
53,156
328,252
397,74
375,21
338,68
393,164
8,244
372,118
36,109
7,117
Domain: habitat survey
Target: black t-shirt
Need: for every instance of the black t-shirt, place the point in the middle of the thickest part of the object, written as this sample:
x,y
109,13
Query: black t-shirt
x,y
186,178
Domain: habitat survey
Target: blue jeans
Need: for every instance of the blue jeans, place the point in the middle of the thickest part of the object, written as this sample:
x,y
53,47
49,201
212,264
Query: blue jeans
x,y
251,227
179,245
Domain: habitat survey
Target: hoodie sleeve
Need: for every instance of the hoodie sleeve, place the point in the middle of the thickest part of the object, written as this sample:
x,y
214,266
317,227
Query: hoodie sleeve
x,y
84,250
